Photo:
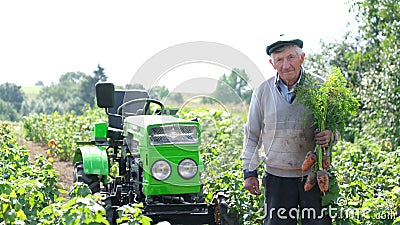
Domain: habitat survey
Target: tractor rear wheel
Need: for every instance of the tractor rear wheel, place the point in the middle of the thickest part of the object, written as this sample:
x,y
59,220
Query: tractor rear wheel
x,y
92,180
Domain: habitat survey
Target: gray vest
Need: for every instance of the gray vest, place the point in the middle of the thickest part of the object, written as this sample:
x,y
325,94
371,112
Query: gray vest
x,y
287,135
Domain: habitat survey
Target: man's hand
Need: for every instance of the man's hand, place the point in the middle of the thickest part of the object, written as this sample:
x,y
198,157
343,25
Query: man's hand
x,y
323,138
251,184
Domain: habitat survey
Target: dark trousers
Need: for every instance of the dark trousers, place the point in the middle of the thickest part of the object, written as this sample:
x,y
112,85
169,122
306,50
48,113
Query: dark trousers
x,y
286,201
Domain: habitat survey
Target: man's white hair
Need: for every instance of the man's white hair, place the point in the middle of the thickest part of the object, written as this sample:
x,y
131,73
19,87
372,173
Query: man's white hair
x,y
299,50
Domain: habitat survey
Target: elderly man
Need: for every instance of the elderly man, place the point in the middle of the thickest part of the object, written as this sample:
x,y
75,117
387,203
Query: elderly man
x,y
283,129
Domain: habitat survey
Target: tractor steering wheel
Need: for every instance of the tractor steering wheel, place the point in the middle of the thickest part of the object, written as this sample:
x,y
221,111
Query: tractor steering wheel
x,y
145,108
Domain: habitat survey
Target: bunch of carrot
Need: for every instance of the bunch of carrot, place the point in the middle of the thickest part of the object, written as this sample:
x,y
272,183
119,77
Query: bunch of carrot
x,y
330,103
321,176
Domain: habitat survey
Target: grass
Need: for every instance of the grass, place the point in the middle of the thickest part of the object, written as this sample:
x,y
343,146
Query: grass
x,y
31,92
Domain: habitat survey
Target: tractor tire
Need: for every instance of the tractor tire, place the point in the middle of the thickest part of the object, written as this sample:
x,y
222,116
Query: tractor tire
x,y
92,180
195,198
107,204
200,198
221,215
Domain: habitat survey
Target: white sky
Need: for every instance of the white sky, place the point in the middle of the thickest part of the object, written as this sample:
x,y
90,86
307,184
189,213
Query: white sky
x,y
41,40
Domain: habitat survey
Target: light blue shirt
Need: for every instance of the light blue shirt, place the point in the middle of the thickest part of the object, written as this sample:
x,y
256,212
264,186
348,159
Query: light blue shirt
x,y
283,88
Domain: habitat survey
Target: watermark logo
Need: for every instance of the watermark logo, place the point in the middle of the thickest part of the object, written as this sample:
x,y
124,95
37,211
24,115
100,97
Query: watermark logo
x,y
343,210
162,66
341,201
347,210
212,55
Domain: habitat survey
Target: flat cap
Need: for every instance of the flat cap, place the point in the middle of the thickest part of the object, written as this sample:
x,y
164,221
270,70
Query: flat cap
x,y
283,41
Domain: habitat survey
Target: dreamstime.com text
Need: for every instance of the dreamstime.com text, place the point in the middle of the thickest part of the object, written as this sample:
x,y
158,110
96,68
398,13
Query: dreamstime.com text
x,y
340,213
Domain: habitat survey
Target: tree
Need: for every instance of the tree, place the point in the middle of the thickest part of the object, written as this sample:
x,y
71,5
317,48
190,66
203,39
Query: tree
x,y
99,74
12,94
135,86
87,86
64,92
39,83
62,97
370,59
74,91
176,97
233,88
7,112
225,93
158,92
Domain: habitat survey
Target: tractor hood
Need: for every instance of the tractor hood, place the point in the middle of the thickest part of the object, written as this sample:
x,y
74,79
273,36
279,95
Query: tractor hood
x,y
148,120
161,130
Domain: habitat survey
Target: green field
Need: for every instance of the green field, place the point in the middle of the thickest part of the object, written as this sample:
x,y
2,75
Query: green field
x,y
31,91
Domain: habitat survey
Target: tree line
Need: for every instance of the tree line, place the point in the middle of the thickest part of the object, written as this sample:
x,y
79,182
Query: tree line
x,y
72,93
75,90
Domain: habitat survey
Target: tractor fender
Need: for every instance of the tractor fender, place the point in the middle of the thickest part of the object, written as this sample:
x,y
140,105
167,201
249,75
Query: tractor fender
x,y
95,160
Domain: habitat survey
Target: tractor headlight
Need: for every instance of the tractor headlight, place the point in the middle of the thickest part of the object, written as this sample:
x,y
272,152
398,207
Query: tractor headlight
x,y
187,168
161,170
173,134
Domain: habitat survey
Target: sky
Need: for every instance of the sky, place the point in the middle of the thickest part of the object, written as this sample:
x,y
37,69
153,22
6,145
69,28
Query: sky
x,y
44,39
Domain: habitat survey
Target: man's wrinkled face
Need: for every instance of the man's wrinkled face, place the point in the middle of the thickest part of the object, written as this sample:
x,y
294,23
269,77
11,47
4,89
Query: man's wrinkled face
x,y
288,64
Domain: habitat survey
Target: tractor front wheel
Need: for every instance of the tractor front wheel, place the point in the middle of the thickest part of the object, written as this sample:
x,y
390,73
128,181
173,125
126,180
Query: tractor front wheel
x,y
221,214
92,180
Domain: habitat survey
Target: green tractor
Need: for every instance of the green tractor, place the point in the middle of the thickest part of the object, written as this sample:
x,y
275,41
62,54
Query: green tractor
x,y
142,155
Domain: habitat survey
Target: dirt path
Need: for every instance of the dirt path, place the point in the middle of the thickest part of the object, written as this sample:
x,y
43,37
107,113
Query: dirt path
x,y
64,169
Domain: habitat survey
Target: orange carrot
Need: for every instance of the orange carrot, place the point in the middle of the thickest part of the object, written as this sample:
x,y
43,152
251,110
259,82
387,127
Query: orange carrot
x,y
323,180
326,162
310,182
310,159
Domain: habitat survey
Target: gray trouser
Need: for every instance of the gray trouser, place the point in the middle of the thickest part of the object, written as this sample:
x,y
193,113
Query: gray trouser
x,y
286,202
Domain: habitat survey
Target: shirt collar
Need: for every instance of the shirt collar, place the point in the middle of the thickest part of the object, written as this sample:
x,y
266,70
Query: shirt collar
x,y
279,83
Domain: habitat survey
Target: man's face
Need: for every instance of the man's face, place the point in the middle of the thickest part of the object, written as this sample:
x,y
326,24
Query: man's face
x,y
288,64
